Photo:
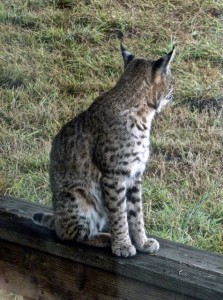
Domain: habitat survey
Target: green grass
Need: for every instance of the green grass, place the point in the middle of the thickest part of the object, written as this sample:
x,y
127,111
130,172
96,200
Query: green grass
x,y
57,56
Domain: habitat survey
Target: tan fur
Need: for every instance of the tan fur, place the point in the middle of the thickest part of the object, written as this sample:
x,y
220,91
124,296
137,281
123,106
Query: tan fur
x,y
98,159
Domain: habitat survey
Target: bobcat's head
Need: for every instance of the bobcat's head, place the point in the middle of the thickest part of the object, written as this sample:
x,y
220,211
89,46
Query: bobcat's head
x,y
156,74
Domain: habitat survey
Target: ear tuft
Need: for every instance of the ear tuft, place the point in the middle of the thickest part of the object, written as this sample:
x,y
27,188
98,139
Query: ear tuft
x,y
163,63
127,56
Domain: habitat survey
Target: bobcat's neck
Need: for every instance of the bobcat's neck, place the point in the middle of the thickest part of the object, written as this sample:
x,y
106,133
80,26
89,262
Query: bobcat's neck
x,y
141,117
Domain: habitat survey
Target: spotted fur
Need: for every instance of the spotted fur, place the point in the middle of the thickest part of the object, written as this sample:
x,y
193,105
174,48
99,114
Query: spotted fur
x,y
98,159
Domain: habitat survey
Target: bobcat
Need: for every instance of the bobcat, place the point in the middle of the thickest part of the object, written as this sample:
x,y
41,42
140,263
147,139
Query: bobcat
x,y
98,159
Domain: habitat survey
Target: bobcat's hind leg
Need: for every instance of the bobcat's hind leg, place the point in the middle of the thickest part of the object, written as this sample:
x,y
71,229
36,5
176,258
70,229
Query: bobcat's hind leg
x,y
76,219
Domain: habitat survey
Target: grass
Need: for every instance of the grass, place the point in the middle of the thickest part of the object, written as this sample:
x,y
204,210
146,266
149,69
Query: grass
x,y
58,55
9,296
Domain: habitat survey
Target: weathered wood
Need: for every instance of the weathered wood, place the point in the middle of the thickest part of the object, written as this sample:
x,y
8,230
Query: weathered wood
x,y
41,276
33,261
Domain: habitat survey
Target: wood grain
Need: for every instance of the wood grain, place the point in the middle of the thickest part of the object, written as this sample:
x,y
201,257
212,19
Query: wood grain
x,y
33,260
41,276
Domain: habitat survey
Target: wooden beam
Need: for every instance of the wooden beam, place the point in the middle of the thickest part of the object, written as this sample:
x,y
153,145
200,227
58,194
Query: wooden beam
x,y
34,263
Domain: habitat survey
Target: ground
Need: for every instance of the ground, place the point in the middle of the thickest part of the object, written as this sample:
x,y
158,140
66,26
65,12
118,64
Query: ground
x,y
57,56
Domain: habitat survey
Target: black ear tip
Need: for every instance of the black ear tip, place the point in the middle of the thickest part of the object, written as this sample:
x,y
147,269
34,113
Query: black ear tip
x,y
170,56
127,56
173,48
163,62
122,47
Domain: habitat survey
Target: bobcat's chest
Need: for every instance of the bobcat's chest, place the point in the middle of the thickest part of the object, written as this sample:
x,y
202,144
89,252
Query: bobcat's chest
x,y
140,134
140,156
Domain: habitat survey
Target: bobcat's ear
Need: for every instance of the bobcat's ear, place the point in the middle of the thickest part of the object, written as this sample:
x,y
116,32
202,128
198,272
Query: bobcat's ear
x,y
162,65
127,56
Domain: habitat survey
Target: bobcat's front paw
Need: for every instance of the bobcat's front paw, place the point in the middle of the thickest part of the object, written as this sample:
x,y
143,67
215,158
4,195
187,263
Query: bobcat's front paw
x,y
150,246
123,250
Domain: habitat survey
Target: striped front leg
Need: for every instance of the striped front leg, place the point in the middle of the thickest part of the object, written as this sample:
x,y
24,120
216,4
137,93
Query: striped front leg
x,y
136,222
115,200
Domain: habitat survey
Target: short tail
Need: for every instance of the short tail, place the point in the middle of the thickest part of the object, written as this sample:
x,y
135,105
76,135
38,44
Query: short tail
x,y
44,219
